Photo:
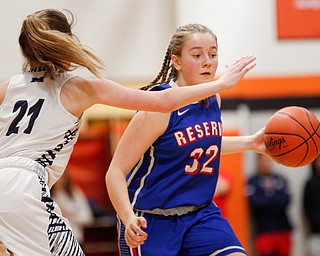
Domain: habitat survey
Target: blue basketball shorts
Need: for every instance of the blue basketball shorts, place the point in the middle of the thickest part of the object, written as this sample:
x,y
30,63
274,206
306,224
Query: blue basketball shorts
x,y
203,232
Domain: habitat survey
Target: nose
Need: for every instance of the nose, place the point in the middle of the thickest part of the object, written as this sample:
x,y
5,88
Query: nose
x,y
206,61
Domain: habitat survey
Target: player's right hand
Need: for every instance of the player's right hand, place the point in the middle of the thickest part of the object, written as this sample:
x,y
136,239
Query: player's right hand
x,y
236,71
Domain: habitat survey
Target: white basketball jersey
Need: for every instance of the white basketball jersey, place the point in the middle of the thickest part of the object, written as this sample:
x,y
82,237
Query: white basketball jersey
x,y
35,125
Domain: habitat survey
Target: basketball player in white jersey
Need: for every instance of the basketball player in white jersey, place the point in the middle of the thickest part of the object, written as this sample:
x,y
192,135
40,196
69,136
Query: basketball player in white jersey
x,y
40,117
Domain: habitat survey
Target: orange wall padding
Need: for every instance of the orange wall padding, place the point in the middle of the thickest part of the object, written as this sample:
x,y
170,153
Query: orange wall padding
x,y
236,206
89,162
275,87
91,158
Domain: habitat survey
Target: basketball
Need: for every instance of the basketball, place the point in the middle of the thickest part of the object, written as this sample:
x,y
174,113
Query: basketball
x,y
292,136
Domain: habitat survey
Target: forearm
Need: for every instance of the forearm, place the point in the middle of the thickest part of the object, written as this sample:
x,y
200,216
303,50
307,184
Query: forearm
x,y
118,194
110,93
179,97
236,144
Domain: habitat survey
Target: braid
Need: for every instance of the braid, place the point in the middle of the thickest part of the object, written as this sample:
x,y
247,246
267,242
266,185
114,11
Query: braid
x,y
162,76
168,72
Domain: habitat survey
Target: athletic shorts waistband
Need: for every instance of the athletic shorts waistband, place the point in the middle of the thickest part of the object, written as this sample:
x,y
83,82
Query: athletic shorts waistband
x,y
179,211
24,163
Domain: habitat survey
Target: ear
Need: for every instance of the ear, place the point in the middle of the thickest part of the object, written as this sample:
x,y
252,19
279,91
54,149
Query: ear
x,y
175,62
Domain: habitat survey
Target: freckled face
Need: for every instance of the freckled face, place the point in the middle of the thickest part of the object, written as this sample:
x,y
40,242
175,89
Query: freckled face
x,y
198,62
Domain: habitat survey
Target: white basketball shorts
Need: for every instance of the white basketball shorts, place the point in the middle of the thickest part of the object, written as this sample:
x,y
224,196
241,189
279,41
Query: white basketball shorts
x,y
30,222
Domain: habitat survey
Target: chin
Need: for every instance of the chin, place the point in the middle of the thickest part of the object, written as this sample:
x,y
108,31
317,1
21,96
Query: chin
x,y
206,80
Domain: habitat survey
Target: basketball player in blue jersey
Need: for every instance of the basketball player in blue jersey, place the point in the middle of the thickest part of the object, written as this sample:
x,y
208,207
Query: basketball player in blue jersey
x,y
164,172
40,117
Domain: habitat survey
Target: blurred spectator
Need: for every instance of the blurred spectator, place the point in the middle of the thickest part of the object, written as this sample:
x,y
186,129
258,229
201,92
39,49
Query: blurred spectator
x,y
269,198
73,204
311,208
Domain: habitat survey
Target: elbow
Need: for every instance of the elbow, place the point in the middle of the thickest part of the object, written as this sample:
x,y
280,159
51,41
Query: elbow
x,y
108,178
112,177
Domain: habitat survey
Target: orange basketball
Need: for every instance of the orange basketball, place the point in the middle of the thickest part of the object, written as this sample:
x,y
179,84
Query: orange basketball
x,y
292,136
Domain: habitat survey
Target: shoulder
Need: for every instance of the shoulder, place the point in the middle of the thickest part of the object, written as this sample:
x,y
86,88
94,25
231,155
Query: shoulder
x,y
4,84
76,95
154,120
75,86
81,85
76,80
218,99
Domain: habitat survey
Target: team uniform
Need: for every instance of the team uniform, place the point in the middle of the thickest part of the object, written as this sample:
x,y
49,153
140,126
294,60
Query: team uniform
x,y
311,210
269,198
37,135
172,187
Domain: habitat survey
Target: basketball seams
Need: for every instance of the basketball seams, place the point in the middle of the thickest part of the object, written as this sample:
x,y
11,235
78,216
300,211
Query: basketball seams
x,y
314,129
300,124
294,119
293,149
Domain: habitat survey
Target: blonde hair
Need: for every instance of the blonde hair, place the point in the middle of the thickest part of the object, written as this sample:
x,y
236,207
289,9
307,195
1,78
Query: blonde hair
x,y
46,40
168,72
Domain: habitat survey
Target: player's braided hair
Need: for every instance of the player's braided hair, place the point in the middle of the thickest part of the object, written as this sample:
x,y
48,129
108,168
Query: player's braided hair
x,y
46,40
168,72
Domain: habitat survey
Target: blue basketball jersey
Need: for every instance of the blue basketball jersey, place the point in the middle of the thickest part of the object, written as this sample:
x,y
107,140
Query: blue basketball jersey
x,y
181,167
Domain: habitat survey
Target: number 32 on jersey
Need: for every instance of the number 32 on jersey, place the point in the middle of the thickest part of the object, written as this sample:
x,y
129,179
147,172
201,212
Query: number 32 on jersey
x,y
196,154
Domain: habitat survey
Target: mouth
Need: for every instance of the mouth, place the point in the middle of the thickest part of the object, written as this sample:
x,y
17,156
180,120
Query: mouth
x,y
206,74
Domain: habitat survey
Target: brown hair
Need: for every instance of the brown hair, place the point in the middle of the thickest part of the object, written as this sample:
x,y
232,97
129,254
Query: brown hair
x,y
168,72
46,40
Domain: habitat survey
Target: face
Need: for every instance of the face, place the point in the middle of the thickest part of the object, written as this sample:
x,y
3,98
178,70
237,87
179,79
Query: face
x,y
198,61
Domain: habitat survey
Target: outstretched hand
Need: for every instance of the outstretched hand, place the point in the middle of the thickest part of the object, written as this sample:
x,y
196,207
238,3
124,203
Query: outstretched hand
x,y
236,71
258,142
134,235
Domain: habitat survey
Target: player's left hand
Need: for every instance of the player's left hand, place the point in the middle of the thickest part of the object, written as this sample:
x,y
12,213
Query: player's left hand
x,y
258,142
134,235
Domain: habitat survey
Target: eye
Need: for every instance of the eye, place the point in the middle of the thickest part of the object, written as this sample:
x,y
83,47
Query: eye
x,y
213,55
196,55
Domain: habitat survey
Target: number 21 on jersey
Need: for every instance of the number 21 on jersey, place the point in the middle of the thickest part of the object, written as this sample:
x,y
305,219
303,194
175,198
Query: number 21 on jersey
x,y
22,109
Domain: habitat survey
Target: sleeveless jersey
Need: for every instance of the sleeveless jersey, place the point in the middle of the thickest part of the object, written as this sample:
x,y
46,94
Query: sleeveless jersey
x,y
181,167
35,125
